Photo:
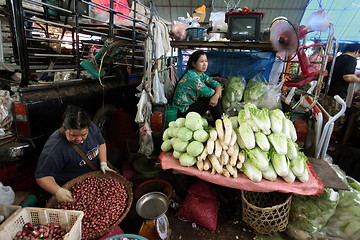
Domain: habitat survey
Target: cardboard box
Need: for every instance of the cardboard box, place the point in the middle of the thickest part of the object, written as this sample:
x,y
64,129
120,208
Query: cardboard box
x,y
200,15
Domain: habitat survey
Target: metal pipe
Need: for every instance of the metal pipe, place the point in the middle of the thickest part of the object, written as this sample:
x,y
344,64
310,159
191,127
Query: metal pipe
x,y
19,40
52,55
37,20
56,70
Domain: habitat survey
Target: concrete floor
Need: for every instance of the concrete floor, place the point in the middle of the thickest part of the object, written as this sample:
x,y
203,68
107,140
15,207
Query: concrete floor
x,y
229,225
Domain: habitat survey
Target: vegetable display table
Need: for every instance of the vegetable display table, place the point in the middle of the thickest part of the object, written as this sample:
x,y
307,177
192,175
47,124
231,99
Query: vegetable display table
x,y
313,187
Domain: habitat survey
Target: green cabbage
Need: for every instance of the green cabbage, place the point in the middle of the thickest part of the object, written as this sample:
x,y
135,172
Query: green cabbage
x,y
179,145
166,145
292,149
194,148
172,124
262,141
261,118
166,134
280,163
180,122
254,91
269,173
187,160
185,134
251,171
234,121
276,118
247,135
177,154
193,121
201,135
258,158
204,122
279,142
234,89
297,165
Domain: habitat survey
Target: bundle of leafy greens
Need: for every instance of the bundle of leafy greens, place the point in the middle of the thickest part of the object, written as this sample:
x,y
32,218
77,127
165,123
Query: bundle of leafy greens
x,y
309,214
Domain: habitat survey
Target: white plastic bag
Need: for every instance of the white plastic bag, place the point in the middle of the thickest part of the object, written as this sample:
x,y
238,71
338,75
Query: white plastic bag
x,y
218,23
7,195
318,21
158,89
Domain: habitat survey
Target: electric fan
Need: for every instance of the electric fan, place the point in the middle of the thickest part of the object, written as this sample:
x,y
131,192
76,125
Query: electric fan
x,y
284,38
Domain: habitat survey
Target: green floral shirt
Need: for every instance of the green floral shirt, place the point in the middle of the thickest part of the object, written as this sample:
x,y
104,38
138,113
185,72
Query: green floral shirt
x,y
191,87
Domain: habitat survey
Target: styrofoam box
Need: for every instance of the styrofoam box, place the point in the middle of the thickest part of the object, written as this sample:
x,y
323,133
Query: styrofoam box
x,y
8,210
68,220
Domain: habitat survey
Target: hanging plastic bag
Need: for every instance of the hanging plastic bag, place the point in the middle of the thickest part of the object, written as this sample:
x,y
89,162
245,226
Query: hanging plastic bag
x,y
158,89
146,141
7,195
140,108
318,21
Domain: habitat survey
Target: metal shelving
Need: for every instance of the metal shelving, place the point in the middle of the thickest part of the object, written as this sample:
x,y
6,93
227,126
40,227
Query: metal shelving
x,y
49,39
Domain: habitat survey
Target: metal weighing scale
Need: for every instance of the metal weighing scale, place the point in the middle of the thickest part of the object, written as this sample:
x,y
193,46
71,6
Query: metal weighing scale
x,y
152,207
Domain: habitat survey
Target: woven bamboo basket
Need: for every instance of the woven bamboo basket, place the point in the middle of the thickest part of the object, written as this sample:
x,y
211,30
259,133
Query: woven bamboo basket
x,y
266,212
53,202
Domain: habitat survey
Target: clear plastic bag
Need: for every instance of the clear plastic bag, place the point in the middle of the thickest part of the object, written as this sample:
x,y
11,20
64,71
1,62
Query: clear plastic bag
x,y
218,23
7,195
178,30
158,89
146,141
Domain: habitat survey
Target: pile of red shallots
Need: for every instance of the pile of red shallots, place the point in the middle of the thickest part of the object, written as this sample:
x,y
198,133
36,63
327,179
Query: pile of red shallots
x,y
103,200
42,231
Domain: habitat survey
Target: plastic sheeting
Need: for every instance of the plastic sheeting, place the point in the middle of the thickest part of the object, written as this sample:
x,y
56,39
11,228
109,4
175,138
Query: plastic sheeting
x,y
226,64
313,187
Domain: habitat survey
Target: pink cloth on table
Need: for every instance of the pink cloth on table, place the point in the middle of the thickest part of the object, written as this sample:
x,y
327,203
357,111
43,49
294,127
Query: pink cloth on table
x,y
116,231
313,187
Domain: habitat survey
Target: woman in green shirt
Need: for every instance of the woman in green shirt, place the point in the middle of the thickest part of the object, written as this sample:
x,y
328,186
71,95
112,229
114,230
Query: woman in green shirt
x,y
196,91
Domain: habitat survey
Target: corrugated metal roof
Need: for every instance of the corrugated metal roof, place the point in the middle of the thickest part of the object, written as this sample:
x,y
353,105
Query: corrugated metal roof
x,y
292,9
344,14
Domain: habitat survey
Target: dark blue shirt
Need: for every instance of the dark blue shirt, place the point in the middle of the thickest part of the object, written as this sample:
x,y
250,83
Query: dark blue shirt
x,y
59,159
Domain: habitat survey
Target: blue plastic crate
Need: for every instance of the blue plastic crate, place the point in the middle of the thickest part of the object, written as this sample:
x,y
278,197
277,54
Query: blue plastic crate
x,y
196,33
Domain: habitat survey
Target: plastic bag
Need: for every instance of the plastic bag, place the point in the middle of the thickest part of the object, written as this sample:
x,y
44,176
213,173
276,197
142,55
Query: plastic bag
x,y
218,23
344,224
178,30
233,94
318,21
7,195
255,90
309,214
146,141
158,89
272,98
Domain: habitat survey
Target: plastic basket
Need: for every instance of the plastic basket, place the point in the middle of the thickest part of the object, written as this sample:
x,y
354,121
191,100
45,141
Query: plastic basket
x,y
266,212
196,33
8,210
53,202
67,219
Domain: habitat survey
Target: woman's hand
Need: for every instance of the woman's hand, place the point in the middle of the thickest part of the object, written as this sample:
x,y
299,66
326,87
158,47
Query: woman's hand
x,y
217,95
214,100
